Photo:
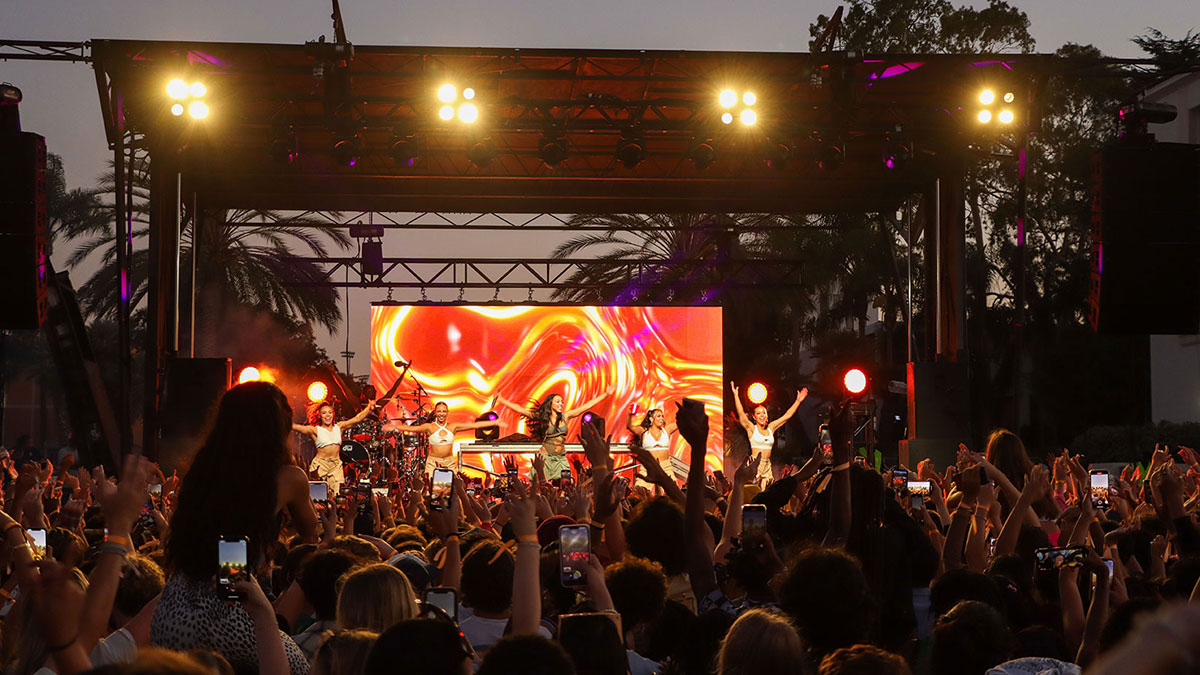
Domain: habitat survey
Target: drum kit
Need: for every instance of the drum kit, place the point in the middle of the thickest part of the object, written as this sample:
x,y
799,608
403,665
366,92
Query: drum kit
x,y
372,444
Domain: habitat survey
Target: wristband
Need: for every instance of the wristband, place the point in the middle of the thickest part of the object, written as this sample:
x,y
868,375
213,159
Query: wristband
x,y
59,648
596,524
115,549
119,541
449,538
528,539
844,466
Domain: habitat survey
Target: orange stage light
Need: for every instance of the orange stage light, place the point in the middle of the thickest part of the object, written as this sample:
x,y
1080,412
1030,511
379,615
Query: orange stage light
x,y
756,392
855,381
249,374
317,391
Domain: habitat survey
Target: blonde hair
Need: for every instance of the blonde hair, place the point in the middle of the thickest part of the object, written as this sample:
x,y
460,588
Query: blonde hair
x,y
343,653
375,598
761,641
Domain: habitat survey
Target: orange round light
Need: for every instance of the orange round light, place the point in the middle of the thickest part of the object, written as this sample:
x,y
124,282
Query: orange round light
x,y
317,391
855,381
249,374
756,392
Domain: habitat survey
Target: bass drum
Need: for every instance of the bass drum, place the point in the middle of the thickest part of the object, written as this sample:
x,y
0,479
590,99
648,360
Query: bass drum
x,y
354,452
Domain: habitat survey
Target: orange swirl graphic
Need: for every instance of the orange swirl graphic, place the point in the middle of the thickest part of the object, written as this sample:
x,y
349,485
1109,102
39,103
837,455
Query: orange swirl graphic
x,y
465,355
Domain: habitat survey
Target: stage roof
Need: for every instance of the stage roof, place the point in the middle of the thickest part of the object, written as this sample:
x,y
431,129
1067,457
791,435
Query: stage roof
x,y
594,100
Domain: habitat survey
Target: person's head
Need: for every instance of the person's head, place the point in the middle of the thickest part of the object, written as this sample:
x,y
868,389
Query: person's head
x,y
413,565
374,598
594,644
961,584
318,579
68,547
424,646
655,532
441,411
761,641
760,415
326,414
487,578
355,546
969,639
141,581
863,660
639,590
344,653
526,654
827,596
230,489
405,537
1123,617
1006,452
654,419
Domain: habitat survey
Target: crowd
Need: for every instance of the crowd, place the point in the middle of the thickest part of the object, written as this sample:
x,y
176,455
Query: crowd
x,y
992,565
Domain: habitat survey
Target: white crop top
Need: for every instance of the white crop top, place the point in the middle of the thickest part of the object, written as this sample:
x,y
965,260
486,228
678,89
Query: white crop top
x,y
328,436
651,443
443,436
761,441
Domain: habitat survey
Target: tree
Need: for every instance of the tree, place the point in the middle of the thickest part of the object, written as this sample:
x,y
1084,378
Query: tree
x,y
930,26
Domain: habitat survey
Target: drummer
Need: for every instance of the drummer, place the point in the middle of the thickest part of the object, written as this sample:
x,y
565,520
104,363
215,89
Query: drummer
x,y
327,435
441,437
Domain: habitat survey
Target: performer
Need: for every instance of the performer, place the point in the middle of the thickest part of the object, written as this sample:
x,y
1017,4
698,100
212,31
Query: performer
x,y
441,437
327,435
548,421
655,436
762,432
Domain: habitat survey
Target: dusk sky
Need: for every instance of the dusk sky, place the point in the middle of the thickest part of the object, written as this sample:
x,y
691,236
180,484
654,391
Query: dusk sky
x,y
61,101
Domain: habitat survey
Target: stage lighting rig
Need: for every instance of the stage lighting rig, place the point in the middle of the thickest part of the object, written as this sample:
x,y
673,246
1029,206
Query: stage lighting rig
x,y
285,147
552,149
995,106
317,391
405,150
702,153
631,150
897,150
592,418
457,104
249,374
756,393
487,434
729,100
348,149
855,381
830,153
482,153
187,97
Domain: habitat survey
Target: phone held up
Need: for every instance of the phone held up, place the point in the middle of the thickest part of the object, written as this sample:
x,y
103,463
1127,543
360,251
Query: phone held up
x,y
445,599
574,550
1100,489
754,517
231,561
1050,559
440,488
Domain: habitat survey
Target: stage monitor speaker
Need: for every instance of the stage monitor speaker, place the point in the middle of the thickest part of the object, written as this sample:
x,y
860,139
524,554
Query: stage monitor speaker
x,y
1145,239
23,230
194,388
939,411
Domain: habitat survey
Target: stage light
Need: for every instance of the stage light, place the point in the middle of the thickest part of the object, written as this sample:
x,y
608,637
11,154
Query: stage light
x,y
347,150
1005,117
481,154
198,90
1009,97
468,113
405,151
631,152
447,93
468,93
446,113
552,151
372,258
830,154
777,155
748,117
702,154
728,98
317,391
177,89
595,420
897,152
855,381
487,434
756,392
984,116
749,98
249,374
285,148
198,110
987,96
177,109
727,117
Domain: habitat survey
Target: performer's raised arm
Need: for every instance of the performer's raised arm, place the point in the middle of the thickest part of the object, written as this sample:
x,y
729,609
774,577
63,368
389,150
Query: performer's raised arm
x,y
305,429
523,412
634,428
743,419
576,412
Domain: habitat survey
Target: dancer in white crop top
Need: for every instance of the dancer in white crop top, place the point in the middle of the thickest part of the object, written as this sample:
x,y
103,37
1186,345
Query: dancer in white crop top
x,y
327,435
762,432
655,434
441,437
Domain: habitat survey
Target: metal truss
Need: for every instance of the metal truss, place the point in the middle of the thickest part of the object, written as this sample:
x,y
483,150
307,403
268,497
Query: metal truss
x,y
40,50
533,222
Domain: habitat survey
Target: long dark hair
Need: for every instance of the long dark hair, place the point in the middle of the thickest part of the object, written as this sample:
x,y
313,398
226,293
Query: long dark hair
x,y
231,488
648,420
542,417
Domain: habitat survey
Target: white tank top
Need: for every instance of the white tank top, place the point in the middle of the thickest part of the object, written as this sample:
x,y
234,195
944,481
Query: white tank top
x,y
650,443
328,436
442,436
761,441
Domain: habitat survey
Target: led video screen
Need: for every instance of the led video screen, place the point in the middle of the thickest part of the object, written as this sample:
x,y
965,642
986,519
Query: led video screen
x,y
465,355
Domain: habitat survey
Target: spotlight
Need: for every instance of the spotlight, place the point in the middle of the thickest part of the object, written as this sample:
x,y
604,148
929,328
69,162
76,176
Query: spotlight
x,y
728,98
249,374
446,113
702,154
481,154
897,152
749,98
727,117
631,152
1005,117
756,392
1009,97
405,151
552,151
197,90
347,150
198,110
177,109
468,113
284,146
468,93
487,434
830,154
748,117
447,93
317,391
855,381
984,116
777,155
177,89
595,420
987,97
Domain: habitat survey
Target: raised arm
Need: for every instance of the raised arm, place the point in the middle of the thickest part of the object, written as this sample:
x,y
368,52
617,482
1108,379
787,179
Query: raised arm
x,y
362,415
635,429
305,429
787,415
523,412
583,407
412,428
743,419
468,426
698,553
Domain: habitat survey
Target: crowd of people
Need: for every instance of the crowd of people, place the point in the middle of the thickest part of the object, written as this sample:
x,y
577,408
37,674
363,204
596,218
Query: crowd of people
x,y
994,564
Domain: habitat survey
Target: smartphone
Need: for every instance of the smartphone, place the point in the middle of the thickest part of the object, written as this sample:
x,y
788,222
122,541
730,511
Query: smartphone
x,y
899,480
155,490
754,517
318,490
445,599
574,550
826,439
918,487
1100,489
565,477
363,486
439,489
1109,563
916,501
231,561
37,543
860,460
379,491
513,477
1050,559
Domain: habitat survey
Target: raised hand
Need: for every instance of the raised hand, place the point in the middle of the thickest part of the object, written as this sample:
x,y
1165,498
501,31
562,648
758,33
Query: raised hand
x,y
654,471
121,504
604,498
733,387
692,422
596,447
801,394
1037,483
521,511
747,471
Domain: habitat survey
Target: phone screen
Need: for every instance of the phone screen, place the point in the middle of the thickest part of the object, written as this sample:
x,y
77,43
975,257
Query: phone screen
x,y
439,490
155,490
1049,559
918,487
445,599
565,477
900,479
37,543
1100,489
574,549
379,491
917,501
231,559
318,490
754,517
